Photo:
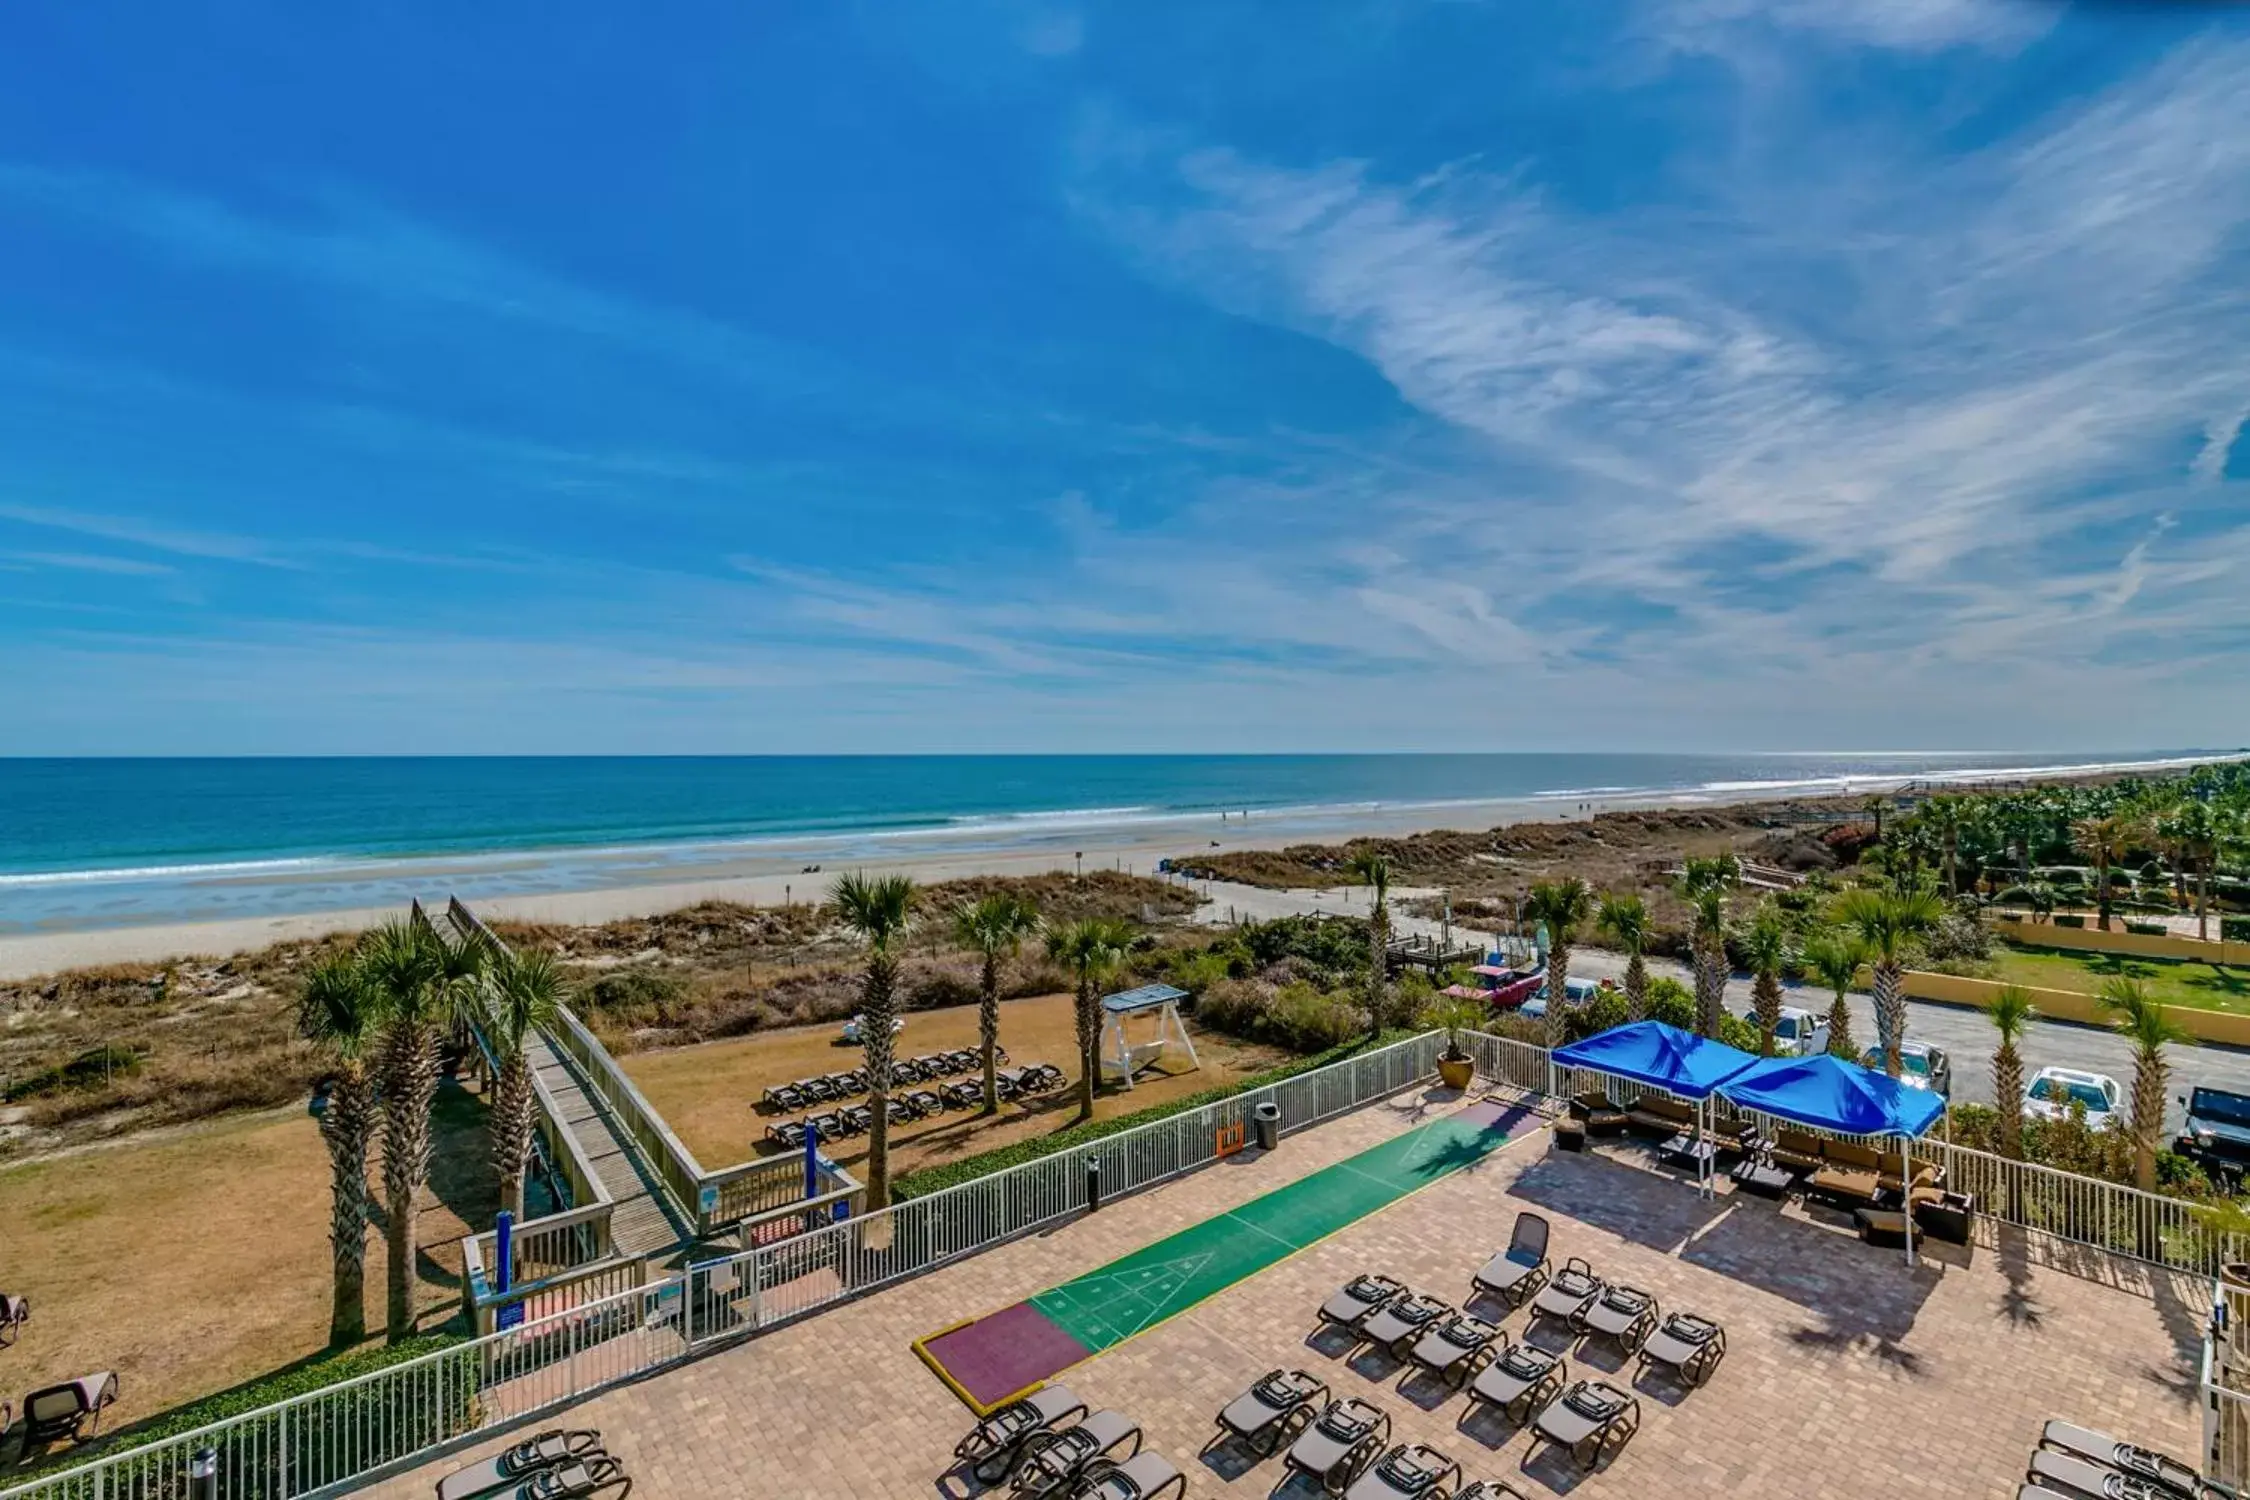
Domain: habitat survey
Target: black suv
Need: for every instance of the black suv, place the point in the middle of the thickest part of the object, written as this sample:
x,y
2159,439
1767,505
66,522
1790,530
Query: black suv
x,y
2218,1131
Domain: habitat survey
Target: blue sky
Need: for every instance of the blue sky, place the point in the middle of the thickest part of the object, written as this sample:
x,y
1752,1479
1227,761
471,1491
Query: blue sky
x,y
1657,374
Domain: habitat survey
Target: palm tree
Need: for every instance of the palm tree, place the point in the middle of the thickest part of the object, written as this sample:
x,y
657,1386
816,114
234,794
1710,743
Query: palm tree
x,y
1091,948
1835,957
877,909
1374,872
2010,1010
2106,841
1889,922
2144,1025
524,994
995,926
342,1013
2191,834
1704,885
1624,919
1563,905
1765,946
417,976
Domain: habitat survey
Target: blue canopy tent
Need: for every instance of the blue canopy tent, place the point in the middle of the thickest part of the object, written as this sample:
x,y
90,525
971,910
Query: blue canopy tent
x,y
1662,1057
1827,1093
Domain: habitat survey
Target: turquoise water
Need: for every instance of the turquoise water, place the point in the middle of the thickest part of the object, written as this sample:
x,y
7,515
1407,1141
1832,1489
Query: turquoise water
x,y
108,842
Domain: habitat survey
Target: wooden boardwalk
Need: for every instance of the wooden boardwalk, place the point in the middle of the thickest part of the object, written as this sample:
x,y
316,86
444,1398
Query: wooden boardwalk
x,y
644,1221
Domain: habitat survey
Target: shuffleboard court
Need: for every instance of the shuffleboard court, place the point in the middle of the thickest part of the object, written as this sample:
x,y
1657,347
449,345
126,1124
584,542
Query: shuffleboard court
x,y
991,1360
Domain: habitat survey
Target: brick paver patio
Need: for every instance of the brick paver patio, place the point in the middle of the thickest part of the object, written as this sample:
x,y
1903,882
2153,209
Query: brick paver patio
x,y
1847,1374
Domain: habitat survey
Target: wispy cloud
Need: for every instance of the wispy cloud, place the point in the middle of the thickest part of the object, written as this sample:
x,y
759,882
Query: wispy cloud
x,y
87,562
157,536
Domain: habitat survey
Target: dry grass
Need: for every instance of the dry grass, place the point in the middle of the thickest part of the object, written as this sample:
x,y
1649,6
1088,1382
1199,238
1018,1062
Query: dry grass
x,y
192,1263
710,1093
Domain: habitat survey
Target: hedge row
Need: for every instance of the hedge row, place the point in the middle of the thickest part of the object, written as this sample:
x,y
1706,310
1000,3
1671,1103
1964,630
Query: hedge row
x,y
953,1173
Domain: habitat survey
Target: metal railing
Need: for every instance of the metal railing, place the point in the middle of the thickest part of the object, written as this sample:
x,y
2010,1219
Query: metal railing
x,y
2225,1393
2107,1216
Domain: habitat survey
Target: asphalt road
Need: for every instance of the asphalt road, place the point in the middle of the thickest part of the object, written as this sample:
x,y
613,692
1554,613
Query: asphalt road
x,y
1965,1034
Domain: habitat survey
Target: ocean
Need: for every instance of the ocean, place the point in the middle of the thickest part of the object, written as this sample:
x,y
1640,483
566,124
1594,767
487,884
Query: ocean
x,y
114,842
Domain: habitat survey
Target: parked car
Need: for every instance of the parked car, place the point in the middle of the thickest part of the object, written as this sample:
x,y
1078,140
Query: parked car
x,y
1581,992
2050,1093
853,1031
2217,1133
1921,1065
1799,1033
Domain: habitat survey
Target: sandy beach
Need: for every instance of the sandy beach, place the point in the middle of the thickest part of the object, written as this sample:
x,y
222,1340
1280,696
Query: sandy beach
x,y
775,872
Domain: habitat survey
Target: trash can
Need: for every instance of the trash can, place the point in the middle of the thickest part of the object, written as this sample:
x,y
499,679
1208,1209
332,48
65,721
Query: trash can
x,y
1266,1121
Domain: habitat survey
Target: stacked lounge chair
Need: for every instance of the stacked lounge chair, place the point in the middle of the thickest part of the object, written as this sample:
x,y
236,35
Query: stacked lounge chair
x,y
1455,1348
903,1107
1689,1346
1359,1299
1144,1476
1408,1472
1568,1293
1521,1379
1055,1461
2074,1462
511,1468
1587,1419
1491,1489
1402,1320
1624,1313
993,1447
1338,1443
1277,1404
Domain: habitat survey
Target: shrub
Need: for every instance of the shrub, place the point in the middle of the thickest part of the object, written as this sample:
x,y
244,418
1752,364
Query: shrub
x,y
953,1173
941,985
1297,1015
1958,935
2235,929
636,993
1198,972
1597,1015
2148,929
2068,919
1671,1002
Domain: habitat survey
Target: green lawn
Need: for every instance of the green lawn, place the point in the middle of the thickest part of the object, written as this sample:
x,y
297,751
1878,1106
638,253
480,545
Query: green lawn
x,y
2198,985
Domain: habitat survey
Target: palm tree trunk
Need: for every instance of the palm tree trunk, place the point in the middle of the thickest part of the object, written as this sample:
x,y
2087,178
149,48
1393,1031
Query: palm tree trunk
x,y
988,1031
1088,1017
2007,1092
348,1126
1840,1030
1890,1012
1558,991
878,1008
1710,984
512,1122
2101,895
1378,966
2150,1075
2203,899
1636,987
1767,993
410,1077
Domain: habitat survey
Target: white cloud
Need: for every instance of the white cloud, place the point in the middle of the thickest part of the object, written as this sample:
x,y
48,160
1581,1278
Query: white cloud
x,y
1907,25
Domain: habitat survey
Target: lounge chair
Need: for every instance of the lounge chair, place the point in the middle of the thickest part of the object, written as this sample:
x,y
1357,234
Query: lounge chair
x,y
961,1060
576,1480
1689,1346
70,1410
1053,1462
784,1097
1491,1489
1518,1271
899,1112
789,1135
1144,1476
817,1090
1040,1077
1359,1297
1408,1472
1568,1293
830,1125
14,1313
1623,1313
1585,1418
1402,1320
1280,1402
857,1119
993,1446
1338,1443
962,1093
924,1102
508,1468
2128,1459
1521,1377
1458,1347
849,1083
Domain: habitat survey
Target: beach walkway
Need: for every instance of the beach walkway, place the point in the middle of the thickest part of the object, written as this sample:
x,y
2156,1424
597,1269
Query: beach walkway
x,y
644,1222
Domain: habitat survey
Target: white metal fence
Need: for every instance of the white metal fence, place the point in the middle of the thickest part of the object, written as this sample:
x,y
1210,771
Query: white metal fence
x,y
2226,1371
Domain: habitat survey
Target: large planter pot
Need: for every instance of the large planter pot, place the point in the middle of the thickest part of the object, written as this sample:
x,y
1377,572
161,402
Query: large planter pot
x,y
1456,1072
2234,1273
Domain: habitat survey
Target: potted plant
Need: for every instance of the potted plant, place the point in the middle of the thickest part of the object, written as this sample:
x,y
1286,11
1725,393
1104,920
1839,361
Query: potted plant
x,y
1456,1015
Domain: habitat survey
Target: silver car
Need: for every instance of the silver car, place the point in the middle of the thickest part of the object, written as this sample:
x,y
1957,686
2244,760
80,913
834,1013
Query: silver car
x,y
1921,1065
